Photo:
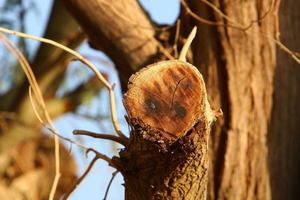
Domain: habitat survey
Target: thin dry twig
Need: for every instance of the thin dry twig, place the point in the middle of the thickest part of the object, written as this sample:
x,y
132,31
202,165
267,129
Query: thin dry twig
x,y
101,136
294,55
98,155
39,98
82,177
177,33
86,62
102,156
34,107
109,184
236,24
217,10
87,149
202,20
231,23
187,44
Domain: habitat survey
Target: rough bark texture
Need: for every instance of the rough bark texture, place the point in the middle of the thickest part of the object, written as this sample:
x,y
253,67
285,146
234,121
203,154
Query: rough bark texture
x,y
170,117
240,70
206,50
244,65
179,173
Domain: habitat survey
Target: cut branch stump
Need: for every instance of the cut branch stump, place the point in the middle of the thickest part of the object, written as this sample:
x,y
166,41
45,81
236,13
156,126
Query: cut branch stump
x,y
170,117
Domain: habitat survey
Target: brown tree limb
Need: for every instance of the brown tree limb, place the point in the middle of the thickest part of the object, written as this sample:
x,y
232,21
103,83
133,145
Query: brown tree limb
x,y
239,68
101,136
167,156
41,104
129,41
85,61
38,102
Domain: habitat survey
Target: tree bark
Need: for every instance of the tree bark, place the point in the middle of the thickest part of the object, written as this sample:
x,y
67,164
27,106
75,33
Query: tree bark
x,y
284,137
170,117
122,29
239,67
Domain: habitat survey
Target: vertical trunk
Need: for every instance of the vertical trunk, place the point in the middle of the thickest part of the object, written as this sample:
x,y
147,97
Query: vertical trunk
x,y
239,68
284,135
170,119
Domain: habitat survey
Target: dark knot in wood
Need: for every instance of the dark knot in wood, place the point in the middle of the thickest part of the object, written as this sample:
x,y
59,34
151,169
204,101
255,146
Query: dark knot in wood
x,y
167,97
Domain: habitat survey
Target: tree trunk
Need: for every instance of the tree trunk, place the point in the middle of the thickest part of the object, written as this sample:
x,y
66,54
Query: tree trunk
x,y
284,137
239,67
170,119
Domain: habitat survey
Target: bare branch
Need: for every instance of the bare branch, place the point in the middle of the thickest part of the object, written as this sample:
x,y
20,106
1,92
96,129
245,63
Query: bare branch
x,y
198,18
294,55
39,98
187,45
109,184
125,18
82,177
101,136
177,33
87,149
230,22
86,62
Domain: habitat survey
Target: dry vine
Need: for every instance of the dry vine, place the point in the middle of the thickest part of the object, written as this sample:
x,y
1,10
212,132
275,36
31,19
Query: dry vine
x,y
38,103
233,24
84,61
41,104
109,184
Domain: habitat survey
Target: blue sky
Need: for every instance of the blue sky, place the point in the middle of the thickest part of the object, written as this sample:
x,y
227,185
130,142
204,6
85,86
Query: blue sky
x,y
94,186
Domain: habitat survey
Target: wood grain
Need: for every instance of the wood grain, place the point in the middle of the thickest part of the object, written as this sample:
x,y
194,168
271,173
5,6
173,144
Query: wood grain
x,y
168,97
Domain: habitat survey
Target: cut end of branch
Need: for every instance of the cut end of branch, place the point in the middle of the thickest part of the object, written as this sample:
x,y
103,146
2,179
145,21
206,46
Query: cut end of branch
x,y
166,99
